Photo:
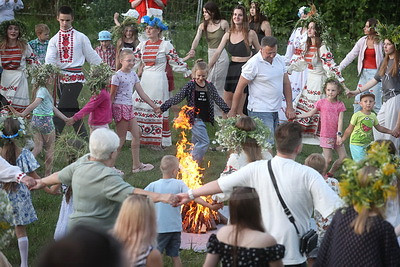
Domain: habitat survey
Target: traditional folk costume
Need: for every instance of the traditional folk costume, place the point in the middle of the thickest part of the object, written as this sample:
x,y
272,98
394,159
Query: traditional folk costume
x,y
68,50
320,65
155,127
296,47
14,82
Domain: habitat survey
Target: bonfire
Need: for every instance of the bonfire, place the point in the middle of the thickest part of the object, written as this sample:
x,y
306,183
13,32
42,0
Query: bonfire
x,y
195,217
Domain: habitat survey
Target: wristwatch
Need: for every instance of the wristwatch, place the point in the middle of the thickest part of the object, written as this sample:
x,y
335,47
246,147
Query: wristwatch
x,y
190,194
339,134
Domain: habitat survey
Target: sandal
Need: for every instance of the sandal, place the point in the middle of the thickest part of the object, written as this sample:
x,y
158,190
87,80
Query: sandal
x,y
143,168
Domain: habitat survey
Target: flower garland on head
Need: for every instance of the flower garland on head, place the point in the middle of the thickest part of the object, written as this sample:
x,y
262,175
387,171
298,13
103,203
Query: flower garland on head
x,y
313,16
99,77
5,24
231,138
381,185
42,73
390,32
118,31
153,22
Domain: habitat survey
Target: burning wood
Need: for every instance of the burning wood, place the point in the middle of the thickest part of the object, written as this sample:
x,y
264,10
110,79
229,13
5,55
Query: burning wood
x,y
195,217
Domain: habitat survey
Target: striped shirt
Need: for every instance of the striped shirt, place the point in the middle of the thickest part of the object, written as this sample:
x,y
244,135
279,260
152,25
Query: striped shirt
x,y
309,56
11,58
150,52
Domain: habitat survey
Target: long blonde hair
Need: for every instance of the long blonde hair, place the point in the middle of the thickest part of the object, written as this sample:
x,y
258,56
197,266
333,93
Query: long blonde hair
x,y
135,226
362,222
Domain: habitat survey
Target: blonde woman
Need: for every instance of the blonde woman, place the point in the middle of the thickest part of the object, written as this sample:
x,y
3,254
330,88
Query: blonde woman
x,y
136,229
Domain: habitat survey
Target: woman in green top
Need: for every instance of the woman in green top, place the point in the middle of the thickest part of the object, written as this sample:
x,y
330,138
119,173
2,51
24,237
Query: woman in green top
x,y
213,27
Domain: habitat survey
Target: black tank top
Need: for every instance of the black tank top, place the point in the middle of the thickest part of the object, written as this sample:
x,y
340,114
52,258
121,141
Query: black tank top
x,y
238,50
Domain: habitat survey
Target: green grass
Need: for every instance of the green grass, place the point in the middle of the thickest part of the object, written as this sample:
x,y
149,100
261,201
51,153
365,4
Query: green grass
x,y
47,206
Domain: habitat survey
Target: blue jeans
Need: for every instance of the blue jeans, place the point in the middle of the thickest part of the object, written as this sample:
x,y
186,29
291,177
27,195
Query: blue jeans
x,y
270,119
200,139
366,75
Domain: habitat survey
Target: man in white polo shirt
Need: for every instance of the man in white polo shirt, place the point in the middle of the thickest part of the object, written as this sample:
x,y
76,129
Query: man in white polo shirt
x,y
265,75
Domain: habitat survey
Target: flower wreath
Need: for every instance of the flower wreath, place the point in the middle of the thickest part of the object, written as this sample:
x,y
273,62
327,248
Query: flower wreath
x,y
118,31
21,132
153,22
99,77
230,137
381,186
42,73
5,24
390,32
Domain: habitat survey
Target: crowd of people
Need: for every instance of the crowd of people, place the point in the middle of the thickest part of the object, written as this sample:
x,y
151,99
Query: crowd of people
x,y
263,102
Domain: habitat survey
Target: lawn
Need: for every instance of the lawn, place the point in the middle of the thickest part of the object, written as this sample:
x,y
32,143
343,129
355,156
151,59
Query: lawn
x,y
47,206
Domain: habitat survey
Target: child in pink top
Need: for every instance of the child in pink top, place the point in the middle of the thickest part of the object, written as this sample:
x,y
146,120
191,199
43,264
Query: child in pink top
x,y
331,118
99,105
122,84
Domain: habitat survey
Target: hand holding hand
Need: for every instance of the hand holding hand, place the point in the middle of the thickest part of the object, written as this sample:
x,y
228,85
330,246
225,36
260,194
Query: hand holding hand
x,y
29,182
157,110
339,140
216,206
290,113
351,93
183,198
191,53
396,132
70,121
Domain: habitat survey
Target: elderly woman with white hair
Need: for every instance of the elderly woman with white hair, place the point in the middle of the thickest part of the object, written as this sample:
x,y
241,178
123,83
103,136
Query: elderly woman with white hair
x,y
98,188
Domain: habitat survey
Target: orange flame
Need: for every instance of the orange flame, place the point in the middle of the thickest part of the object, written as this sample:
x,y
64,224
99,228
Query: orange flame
x,y
190,173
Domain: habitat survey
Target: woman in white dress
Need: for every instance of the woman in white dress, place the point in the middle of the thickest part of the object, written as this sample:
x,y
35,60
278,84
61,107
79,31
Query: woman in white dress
x,y
154,55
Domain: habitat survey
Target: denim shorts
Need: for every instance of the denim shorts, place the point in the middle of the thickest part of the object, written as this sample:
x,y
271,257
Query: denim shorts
x,y
170,242
42,124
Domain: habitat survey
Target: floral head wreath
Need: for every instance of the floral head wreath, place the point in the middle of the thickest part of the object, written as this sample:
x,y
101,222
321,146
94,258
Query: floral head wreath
x,y
118,31
21,134
381,185
153,22
5,24
304,10
389,32
313,16
99,77
42,73
231,138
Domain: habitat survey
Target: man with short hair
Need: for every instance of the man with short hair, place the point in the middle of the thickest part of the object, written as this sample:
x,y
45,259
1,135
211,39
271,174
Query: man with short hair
x,y
301,187
266,77
68,50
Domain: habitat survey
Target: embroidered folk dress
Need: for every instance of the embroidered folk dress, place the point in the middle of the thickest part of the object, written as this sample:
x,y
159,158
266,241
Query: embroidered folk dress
x,y
14,82
295,48
320,65
154,56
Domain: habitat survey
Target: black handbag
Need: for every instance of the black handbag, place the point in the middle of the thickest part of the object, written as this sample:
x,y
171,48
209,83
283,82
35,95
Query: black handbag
x,y
309,240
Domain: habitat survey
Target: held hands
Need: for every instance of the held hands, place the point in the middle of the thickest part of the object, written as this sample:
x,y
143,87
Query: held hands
x,y
183,198
157,110
396,132
70,121
216,206
351,93
29,182
339,140
290,113
16,113
191,53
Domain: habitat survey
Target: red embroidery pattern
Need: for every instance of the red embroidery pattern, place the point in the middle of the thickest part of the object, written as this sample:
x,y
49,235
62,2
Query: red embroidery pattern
x,y
66,78
66,45
10,88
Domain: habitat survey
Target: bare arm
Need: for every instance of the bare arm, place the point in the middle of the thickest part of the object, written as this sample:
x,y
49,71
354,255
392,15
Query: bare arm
x,y
217,53
254,40
204,203
159,3
113,92
154,259
382,129
397,230
347,133
211,260
196,40
28,110
242,83
340,127
371,83
135,3
307,114
266,28
144,96
287,92
49,180
156,197
210,188
116,21
59,114
396,130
